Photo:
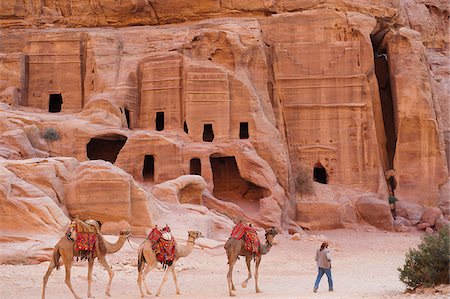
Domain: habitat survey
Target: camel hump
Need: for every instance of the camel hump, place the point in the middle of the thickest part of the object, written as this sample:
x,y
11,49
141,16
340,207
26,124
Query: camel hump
x,y
88,226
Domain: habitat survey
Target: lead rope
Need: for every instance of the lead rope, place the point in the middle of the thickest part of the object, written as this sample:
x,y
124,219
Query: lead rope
x,y
128,239
211,254
290,256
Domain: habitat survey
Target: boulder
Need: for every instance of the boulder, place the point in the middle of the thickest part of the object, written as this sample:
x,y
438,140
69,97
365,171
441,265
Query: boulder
x,y
375,212
409,210
184,189
423,225
401,220
26,209
430,215
324,215
441,222
101,191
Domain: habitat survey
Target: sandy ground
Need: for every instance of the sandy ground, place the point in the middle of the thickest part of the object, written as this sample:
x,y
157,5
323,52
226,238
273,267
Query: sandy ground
x,y
365,265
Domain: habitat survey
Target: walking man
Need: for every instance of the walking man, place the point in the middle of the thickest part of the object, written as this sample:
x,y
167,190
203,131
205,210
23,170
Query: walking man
x,y
323,259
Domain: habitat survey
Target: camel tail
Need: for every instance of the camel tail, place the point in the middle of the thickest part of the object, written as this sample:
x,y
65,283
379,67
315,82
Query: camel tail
x,y
141,260
56,256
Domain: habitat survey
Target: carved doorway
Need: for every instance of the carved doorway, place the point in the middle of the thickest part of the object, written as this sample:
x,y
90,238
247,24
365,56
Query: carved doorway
x,y
148,172
55,102
320,174
208,133
195,166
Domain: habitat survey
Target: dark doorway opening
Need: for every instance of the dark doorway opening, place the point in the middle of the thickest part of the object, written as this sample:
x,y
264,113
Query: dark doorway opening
x,y
208,133
195,166
105,147
230,186
148,172
381,62
127,116
55,102
243,131
185,128
320,174
159,121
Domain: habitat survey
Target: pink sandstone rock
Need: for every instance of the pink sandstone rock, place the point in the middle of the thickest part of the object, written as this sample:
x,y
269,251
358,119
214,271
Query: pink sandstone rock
x,y
375,212
430,215
244,93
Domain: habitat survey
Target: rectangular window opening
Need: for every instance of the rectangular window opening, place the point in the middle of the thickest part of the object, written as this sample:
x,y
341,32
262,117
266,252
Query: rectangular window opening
x,y
159,121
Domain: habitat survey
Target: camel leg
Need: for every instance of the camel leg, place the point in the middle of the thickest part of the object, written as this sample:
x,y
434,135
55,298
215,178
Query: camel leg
x,y
258,260
175,278
104,263
163,281
248,261
90,267
144,273
139,280
46,276
68,266
230,276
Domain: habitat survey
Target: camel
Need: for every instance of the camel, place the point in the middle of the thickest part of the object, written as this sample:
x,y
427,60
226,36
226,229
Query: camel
x,y
235,248
147,255
66,249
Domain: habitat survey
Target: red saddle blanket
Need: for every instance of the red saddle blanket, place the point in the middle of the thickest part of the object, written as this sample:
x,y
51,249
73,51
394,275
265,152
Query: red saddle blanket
x,y
164,249
251,240
85,243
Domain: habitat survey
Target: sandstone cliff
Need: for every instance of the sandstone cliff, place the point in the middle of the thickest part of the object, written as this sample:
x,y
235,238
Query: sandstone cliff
x,y
254,96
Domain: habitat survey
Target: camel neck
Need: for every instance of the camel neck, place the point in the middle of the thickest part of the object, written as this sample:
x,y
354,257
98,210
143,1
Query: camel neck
x,y
114,247
187,249
268,245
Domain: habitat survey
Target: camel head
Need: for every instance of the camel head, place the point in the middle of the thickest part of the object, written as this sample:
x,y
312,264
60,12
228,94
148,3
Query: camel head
x,y
125,233
195,234
271,231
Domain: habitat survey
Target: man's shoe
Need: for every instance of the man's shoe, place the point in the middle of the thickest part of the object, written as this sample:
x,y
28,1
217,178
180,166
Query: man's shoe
x,y
330,290
315,290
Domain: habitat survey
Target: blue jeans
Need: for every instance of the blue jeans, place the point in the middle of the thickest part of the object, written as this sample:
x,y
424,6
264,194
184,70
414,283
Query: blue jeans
x,y
323,271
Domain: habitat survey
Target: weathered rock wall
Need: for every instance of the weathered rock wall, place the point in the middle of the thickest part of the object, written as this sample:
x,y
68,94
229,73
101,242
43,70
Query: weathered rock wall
x,y
243,93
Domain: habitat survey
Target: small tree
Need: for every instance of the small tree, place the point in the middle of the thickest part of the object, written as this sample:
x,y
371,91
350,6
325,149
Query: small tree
x,y
51,134
428,265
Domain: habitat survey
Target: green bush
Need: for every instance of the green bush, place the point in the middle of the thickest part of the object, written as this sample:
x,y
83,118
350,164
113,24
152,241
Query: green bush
x,y
51,134
428,265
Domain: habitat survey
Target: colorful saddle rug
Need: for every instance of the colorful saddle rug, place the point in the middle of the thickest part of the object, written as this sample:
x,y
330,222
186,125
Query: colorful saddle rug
x,y
85,244
251,240
163,244
84,234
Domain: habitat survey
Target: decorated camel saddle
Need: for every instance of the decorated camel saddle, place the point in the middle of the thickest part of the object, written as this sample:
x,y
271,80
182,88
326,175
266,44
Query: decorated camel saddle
x,y
248,232
84,234
163,244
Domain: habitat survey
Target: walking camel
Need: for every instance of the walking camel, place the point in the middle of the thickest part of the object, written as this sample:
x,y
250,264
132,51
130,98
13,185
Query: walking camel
x,y
235,248
66,249
147,261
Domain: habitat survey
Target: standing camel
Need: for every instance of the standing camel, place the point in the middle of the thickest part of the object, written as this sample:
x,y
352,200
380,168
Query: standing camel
x,y
66,249
147,255
236,248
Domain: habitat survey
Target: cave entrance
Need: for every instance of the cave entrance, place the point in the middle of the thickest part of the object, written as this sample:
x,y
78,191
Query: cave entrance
x,y
148,172
208,133
381,62
55,102
320,174
230,186
127,116
195,166
159,121
105,147
243,131
185,128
